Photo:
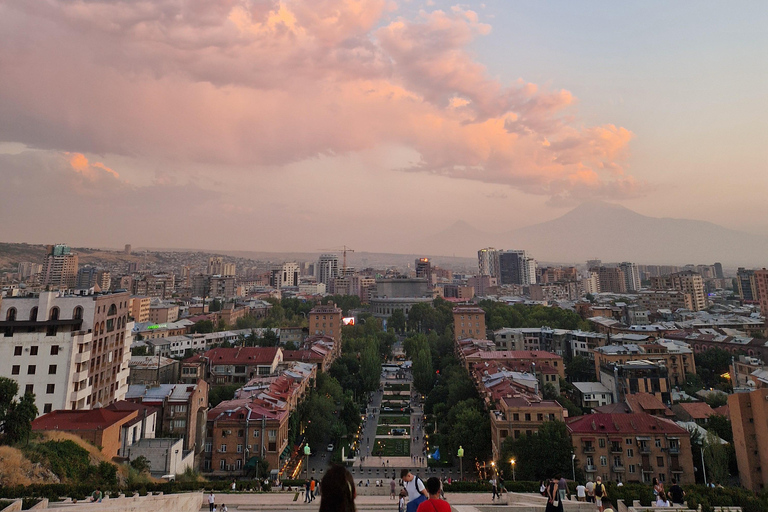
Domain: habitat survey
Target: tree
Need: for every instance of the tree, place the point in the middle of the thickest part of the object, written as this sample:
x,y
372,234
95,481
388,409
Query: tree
x,y
720,425
397,320
711,364
551,439
715,458
15,415
580,369
215,306
370,368
467,425
139,351
218,394
423,372
141,464
203,326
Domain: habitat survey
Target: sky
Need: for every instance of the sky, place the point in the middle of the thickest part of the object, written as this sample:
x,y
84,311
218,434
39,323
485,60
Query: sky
x,y
308,124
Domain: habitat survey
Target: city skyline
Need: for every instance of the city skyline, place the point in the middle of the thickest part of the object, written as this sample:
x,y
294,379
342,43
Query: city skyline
x,y
295,126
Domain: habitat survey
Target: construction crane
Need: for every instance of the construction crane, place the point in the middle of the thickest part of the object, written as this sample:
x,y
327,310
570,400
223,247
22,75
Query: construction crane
x,y
344,250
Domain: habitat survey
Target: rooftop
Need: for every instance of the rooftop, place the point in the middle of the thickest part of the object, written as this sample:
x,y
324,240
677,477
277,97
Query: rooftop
x,y
629,424
94,419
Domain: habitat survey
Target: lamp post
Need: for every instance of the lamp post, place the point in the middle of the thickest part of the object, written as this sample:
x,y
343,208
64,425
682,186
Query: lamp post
x,y
306,456
703,468
460,454
512,463
573,465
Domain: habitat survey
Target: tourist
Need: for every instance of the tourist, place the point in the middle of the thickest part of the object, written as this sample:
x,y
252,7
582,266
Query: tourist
x,y
417,492
223,508
401,501
233,487
562,487
590,491
97,495
658,487
392,488
554,503
581,492
494,488
307,498
312,486
600,493
662,501
338,490
543,488
435,504
211,502
676,493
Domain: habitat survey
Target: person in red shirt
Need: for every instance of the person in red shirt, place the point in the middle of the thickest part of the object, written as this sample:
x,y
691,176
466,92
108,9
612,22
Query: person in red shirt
x,y
434,503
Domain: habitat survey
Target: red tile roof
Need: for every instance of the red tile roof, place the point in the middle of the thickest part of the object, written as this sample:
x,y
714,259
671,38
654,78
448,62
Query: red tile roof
x,y
697,410
630,424
95,419
723,410
646,402
242,355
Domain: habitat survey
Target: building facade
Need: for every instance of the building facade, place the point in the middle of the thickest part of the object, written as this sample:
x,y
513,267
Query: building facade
x,y
59,267
749,420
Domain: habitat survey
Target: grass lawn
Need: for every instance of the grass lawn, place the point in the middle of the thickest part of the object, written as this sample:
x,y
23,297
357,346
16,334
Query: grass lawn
x,y
395,404
383,430
392,447
401,419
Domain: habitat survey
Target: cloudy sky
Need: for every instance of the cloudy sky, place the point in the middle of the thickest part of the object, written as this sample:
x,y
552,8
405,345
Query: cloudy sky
x,y
305,124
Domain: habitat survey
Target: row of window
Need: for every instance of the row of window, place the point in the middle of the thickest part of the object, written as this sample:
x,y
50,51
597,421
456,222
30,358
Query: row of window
x,y
49,389
53,314
33,350
32,369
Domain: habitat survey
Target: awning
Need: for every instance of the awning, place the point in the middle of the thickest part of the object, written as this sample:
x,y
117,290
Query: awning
x,y
615,439
643,438
590,439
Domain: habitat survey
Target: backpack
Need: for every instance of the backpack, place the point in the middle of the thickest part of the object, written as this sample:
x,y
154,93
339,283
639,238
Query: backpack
x,y
599,491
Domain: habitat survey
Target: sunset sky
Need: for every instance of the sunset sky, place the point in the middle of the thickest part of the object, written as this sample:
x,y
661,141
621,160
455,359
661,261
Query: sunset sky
x,y
303,124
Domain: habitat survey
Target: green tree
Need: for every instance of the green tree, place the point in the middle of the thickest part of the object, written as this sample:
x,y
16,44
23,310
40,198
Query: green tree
x,y
721,425
215,306
220,393
551,439
141,464
715,458
580,369
370,368
139,351
15,415
423,372
397,320
467,425
711,364
203,326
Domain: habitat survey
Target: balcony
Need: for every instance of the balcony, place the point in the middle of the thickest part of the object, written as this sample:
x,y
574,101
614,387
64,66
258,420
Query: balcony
x,y
647,469
674,450
645,449
619,469
617,449
590,469
589,448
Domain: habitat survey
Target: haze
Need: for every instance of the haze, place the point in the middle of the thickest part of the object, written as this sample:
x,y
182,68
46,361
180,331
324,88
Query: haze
x,y
300,125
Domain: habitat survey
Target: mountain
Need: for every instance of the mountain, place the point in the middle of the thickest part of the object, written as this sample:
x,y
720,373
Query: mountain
x,y
613,233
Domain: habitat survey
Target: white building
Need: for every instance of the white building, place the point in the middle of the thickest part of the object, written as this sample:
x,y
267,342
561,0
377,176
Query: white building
x,y
593,394
327,268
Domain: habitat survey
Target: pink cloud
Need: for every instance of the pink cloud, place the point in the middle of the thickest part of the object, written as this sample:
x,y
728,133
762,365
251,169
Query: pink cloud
x,y
267,82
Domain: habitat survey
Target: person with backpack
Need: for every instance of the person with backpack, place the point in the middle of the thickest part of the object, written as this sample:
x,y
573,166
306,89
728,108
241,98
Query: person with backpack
x,y
600,493
417,491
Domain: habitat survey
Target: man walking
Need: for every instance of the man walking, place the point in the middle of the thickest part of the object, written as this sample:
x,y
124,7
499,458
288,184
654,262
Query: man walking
x,y
211,502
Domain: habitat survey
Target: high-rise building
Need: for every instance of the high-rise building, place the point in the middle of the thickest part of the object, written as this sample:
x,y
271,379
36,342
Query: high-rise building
x,y
749,421
488,262
71,351
594,263
86,277
719,270
424,269
611,279
290,274
761,280
747,286
217,267
515,267
127,249
28,269
631,276
327,268
59,267
688,282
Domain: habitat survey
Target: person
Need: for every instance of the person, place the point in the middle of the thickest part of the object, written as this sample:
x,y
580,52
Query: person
x,y
306,492
233,486
401,501
619,484
661,500
392,488
676,493
581,492
554,503
562,487
417,492
312,486
658,487
543,488
435,504
338,490
494,488
223,508
590,491
96,496
600,493
211,501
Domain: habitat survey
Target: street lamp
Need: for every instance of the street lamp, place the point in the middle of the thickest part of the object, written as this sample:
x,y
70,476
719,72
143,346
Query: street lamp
x,y
573,465
460,454
703,468
306,455
512,463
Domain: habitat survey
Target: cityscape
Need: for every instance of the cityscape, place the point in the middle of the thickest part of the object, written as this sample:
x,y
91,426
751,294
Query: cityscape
x,y
340,255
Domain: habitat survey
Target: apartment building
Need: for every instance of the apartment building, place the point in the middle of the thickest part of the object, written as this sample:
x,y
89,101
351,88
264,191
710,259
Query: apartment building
x,y
687,282
140,309
326,320
521,414
468,322
60,267
749,420
634,447
676,356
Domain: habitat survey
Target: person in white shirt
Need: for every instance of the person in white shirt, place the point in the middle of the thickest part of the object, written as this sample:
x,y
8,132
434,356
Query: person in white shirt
x,y
211,501
590,491
662,501
581,492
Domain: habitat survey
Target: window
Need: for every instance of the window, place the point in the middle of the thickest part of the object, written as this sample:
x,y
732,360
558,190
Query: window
x,y
660,462
239,448
51,369
53,314
515,416
601,443
31,369
223,448
662,477
272,433
240,433
527,416
17,350
15,369
33,350
33,314
77,314
631,468
54,350
255,433
47,408
30,388
628,441
50,389
630,452
603,460
658,443
221,464
10,316
208,447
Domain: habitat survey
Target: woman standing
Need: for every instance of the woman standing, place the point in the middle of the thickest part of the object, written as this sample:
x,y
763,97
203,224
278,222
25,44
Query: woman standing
x,y
554,504
658,487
